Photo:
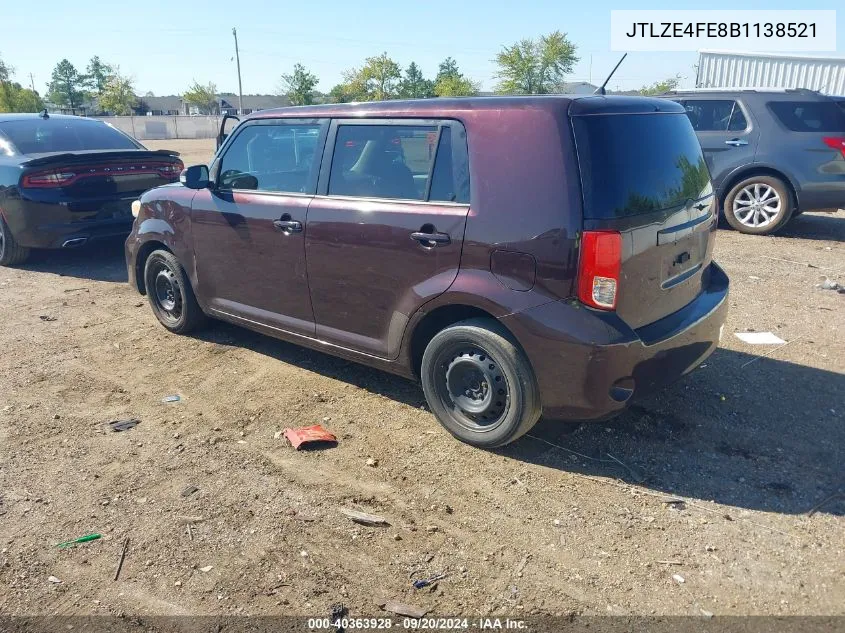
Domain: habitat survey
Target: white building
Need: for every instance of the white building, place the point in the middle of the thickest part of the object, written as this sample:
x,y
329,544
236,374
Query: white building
x,y
732,69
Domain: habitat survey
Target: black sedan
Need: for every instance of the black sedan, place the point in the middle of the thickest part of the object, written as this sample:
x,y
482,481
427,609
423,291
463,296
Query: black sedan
x,y
66,180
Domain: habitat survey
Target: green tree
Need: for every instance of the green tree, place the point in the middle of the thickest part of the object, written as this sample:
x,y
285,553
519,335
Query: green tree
x,y
380,78
456,86
448,68
6,72
450,82
535,66
414,85
13,96
98,74
118,94
67,86
204,98
299,86
340,94
660,87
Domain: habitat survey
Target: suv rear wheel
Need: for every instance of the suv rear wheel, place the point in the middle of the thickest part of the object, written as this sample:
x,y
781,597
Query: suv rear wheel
x,y
479,383
170,294
759,205
11,252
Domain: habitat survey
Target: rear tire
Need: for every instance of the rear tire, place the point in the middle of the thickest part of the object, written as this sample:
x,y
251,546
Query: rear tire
x,y
759,205
479,384
11,253
170,294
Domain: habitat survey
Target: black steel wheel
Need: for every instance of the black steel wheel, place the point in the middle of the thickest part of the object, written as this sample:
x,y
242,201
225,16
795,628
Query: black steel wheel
x,y
170,294
479,383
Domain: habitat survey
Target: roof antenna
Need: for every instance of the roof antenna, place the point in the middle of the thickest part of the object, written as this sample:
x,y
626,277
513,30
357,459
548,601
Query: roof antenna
x,y
44,114
601,90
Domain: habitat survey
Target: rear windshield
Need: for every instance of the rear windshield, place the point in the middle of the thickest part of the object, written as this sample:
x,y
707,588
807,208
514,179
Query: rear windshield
x,y
34,136
809,116
638,163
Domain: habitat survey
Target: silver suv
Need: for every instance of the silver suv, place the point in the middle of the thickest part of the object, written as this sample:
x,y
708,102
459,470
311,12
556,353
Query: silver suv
x,y
772,154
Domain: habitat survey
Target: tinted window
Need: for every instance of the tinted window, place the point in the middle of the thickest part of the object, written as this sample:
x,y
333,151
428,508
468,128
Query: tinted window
x,y
809,116
383,161
449,179
271,158
715,115
637,163
33,136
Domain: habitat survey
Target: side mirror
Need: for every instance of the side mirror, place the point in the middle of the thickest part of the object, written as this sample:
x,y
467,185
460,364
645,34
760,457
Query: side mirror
x,y
195,177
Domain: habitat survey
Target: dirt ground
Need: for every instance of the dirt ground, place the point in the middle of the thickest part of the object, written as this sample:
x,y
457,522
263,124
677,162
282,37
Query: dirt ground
x,y
743,449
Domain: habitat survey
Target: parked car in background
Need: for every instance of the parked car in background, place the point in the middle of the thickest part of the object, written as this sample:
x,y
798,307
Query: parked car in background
x,y
518,255
65,180
772,154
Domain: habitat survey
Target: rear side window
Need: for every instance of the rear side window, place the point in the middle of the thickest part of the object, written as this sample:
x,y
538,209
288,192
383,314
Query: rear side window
x,y
715,115
403,162
809,116
34,136
272,158
638,163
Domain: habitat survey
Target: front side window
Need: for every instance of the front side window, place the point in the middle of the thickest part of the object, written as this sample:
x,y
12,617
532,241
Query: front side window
x,y
279,157
715,115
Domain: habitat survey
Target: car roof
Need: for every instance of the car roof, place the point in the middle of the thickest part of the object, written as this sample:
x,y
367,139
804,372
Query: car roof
x,y
776,94
18,116
444,106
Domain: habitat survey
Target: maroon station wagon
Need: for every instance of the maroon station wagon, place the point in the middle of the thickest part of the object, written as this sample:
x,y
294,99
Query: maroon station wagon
x,y
521,256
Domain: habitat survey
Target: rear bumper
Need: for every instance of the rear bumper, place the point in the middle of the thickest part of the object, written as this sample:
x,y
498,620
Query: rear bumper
x,y
40,225
823,196
590,364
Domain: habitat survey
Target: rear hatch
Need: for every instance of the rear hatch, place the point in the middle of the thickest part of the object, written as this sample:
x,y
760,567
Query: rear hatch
x,y
643,175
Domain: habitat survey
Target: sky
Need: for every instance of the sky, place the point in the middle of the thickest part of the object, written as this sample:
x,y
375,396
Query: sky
x,y
165,46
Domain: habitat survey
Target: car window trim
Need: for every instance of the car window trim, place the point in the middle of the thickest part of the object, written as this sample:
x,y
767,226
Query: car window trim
x,y
313,176
459,155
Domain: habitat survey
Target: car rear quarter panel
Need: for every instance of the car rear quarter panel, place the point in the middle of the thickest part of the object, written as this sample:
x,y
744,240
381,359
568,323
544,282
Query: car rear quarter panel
x,y
525,200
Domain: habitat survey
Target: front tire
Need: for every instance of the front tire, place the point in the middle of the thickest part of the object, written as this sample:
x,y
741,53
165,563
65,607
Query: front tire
x,y
759,205
11,253
170,294
479,384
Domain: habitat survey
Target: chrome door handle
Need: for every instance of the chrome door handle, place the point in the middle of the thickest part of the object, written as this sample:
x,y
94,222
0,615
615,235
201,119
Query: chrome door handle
x,y
288,226
736,142
431,240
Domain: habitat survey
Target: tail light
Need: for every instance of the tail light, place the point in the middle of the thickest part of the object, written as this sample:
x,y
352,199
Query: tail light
x,y
599,268
836,142
62,177
49,178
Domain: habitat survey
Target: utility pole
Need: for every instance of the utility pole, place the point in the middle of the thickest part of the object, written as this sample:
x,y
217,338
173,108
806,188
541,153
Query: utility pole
x,y
238,61
32,82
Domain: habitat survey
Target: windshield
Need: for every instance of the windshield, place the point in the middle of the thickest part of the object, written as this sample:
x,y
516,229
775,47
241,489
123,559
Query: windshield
x,y
34,136
638,163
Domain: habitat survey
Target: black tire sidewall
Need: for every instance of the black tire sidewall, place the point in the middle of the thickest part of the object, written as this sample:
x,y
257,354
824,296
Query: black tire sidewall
x,y
13,253
783,191
524,403
182,324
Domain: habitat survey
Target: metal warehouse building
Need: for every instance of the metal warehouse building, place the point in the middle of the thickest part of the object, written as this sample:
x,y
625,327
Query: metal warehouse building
x,y
731,69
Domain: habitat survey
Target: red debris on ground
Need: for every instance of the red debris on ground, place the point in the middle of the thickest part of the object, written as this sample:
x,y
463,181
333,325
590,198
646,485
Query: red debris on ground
x,y
308,435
